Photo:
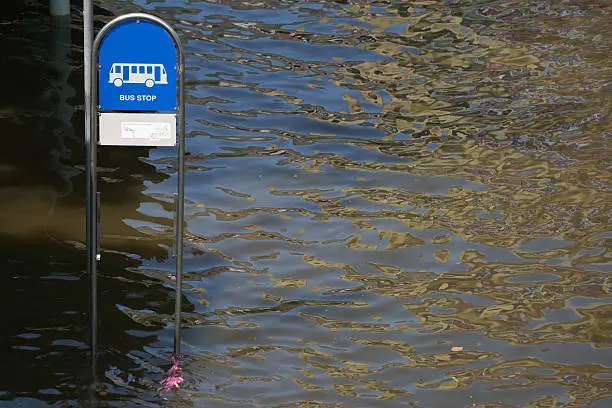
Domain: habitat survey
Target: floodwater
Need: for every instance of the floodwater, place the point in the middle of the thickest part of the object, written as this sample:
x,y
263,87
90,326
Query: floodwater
x,y
389,203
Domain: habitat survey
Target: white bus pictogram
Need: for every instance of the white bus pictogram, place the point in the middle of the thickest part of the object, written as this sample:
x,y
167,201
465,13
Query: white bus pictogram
x,y
148,74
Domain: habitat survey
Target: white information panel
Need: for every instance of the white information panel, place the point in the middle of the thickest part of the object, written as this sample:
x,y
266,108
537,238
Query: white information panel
x,y
137,129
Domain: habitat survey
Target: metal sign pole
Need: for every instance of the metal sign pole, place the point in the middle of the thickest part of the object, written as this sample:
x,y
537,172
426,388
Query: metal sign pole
x,y
180,205
90,174
135,82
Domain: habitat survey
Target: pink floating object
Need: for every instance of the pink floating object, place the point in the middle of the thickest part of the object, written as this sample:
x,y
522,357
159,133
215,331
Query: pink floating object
x,y
174,378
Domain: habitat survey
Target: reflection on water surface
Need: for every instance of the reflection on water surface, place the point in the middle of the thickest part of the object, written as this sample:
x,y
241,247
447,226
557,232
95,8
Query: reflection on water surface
x,y
371,185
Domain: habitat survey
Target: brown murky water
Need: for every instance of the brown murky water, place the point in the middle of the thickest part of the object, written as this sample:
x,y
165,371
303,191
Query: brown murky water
x,y
390,203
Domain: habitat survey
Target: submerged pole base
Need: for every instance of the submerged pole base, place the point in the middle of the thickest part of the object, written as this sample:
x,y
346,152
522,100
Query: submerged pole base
x,y
174,379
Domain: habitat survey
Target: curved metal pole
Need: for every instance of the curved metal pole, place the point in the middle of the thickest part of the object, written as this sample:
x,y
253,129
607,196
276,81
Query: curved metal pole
x,y
91,226
180,206
90,173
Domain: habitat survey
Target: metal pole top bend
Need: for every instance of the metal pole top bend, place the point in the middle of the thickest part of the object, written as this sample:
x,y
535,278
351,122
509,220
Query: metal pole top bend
x,y
138,16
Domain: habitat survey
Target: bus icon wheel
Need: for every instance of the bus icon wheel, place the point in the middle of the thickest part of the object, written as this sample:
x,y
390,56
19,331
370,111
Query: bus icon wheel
x,y
118,82
149,83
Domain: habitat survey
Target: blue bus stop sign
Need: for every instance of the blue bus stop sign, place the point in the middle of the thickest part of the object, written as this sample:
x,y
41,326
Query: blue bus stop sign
x,y
137,68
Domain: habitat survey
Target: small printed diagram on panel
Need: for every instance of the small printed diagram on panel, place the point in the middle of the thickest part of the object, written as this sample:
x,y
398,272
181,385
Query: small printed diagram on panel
x,y
131,73
145,130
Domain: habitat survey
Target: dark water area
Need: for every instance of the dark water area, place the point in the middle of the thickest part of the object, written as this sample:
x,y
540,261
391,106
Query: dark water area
x,y
389,203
